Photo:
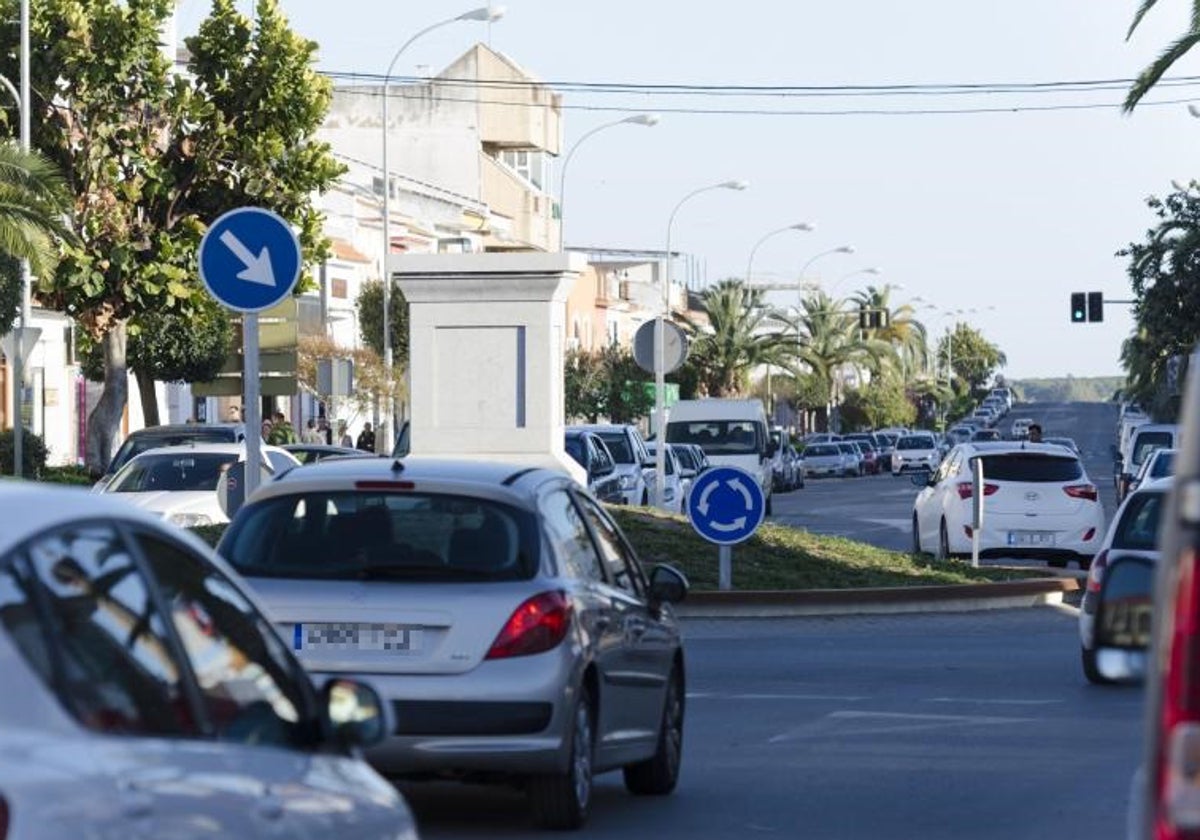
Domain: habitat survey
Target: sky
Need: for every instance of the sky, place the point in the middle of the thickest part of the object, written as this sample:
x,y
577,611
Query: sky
x,y
1006,212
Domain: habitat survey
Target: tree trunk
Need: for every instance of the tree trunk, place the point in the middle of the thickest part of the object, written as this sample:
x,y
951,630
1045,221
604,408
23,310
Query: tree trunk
x,y
105,418
149,397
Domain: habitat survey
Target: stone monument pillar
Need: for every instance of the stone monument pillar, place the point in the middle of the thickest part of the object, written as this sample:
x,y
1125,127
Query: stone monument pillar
x,y
487,334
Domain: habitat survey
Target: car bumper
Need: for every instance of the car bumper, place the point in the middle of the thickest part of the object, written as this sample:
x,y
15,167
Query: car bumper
x,y
506,716
1067,541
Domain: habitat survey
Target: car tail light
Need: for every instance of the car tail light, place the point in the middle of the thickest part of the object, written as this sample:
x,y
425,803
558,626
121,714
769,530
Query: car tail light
x,y
966,491
1178,747
536,626
1088,534
1082,491
1095,576
4,817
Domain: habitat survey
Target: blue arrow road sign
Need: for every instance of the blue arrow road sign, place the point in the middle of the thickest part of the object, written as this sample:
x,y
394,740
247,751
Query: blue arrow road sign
x,y
250,259
726,505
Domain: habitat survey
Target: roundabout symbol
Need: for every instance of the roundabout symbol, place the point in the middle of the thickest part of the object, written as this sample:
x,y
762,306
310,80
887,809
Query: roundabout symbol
x,y
726,505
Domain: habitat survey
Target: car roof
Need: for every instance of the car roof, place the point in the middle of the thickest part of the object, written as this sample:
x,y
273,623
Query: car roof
x,y
600,427
497,479
38,507
1003,447
207,448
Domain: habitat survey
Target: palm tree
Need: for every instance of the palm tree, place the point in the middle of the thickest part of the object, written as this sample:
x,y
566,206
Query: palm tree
x,y
33,203
900,329
1150,76
741,333
828,338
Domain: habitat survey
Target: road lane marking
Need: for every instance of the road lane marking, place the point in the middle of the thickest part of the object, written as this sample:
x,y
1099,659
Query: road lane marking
x,y
716,695
991,701
887,723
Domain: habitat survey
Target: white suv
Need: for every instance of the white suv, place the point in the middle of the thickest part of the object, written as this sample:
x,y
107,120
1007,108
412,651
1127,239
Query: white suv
x,y
635,467
915,452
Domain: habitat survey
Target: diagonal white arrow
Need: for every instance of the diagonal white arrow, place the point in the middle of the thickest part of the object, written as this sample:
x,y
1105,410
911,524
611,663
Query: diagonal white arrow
x,y
727,527
258,269
704,494
736,484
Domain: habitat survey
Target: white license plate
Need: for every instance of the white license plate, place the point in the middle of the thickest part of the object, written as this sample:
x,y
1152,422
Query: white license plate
x,y
1032,539
355,636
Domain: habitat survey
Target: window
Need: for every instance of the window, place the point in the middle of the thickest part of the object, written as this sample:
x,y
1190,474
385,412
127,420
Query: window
x,y
1148,442
182,471
618,444
718,437
1028,466
569,537
338,288
1138,528
248,681
280,463
402,536
623,569
116,670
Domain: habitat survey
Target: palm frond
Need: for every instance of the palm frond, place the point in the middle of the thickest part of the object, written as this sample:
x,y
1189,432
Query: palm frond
x,y
1146,6
1150,76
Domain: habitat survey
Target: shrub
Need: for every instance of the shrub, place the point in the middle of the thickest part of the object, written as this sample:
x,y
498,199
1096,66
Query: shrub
x,y
33,453
68,475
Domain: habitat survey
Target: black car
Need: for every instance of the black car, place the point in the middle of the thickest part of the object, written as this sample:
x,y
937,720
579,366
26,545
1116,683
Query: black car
x,y
589,450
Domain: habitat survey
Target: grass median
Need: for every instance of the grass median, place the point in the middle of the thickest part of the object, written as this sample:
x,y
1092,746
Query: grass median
x,y
778,557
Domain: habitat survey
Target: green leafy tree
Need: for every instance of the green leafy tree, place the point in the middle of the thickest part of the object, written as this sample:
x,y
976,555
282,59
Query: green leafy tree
x,y
152,157
33,199
899,328
370,320
1150,76
972,358
738,334
1164,274
828,339
10,292
630,389
585,385
878,405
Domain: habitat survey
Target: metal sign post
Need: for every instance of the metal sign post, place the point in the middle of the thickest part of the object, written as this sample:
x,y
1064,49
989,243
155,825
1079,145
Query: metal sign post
x,y
725,567
976,508
250,261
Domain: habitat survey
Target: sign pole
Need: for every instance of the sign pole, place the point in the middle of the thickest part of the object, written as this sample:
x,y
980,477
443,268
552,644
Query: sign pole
x,y
725,565
252,405
976,508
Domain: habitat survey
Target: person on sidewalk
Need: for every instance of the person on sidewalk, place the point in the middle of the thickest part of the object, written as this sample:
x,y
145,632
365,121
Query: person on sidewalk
x,y
281,431
344,438
366,439
311,433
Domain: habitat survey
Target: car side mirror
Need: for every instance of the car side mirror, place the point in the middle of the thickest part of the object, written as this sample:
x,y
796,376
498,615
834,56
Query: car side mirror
x,y
356,714
1124,618
668,585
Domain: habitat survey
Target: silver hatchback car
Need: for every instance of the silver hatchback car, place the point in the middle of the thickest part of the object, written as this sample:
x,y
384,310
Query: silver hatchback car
x,y
498,608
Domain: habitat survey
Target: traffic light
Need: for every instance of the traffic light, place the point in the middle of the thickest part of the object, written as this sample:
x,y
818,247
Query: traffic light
x,y
1095,306
1078,307
864,317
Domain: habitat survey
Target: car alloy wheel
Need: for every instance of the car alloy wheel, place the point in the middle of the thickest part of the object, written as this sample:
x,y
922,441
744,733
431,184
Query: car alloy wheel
x,y
658,775
561,800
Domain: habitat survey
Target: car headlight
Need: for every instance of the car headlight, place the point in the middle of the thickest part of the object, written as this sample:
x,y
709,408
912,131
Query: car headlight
x,y
189,520
627,481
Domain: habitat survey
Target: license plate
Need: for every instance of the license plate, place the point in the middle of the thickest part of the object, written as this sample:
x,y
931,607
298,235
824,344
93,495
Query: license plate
x,y
1034,539
354,636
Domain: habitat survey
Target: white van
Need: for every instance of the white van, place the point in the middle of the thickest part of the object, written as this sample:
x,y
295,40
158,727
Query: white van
x,y
731,432
1143,440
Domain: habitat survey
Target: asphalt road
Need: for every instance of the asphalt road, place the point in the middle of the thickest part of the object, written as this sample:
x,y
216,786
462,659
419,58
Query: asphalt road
x,y
968,726
878,509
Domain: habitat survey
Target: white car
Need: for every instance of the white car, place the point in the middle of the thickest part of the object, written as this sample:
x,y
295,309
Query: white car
x,y
1134,531
146,695
179,483
673,487
1038,503
915,452
628,449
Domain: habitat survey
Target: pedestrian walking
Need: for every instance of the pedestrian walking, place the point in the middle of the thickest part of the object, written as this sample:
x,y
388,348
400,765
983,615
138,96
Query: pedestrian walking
x,y
311,434
281,431
344,438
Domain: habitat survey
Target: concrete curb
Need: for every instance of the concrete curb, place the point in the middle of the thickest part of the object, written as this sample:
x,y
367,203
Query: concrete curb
x,y
885,601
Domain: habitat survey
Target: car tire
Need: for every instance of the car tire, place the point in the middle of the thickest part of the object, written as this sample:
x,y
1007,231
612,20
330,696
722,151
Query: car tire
x,y
916,546
1087,658
770,511
943,552
658,775
561,800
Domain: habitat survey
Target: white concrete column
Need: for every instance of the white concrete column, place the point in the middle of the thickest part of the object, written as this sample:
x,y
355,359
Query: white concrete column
x,y
487,336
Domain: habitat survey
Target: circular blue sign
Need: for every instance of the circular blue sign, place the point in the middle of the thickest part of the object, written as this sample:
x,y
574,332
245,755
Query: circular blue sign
x,y
726,505
250,259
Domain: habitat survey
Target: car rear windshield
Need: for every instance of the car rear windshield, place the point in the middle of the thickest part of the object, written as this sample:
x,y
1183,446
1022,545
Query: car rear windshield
x,y
1138,528
187,471
1147,442
403,536
618,446
915,442
136,445
1030,466
716,437
821,450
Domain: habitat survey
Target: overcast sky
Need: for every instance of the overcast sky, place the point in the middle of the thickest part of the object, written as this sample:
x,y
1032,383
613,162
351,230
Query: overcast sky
x,y
1011,210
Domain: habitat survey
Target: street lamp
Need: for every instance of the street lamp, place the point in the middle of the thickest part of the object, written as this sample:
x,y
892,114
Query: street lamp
x,y
842,249
487,14
648,120
660,340
800,226
872,271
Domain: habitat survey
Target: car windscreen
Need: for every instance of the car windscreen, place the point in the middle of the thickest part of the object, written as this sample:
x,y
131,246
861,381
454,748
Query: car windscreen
x,y
1138,528
618,446
182,472
1163,465
821,450
1147,442
716,437
886,439
987,434
137,444
915,442
1030,466
368,535
687,460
